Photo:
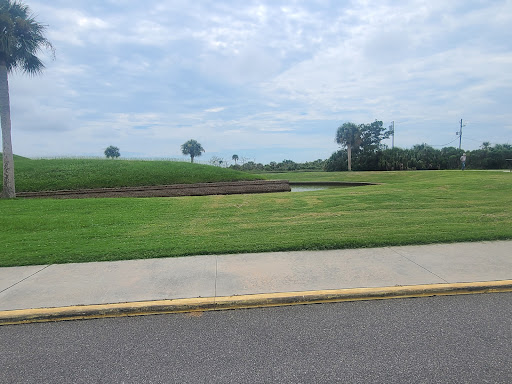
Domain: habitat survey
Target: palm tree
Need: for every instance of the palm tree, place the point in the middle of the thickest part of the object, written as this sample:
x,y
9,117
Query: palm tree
x,y
21,38
192,148
349,135
235,158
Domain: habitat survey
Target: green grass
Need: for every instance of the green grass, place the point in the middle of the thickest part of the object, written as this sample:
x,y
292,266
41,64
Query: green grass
x,y
408,208
55,174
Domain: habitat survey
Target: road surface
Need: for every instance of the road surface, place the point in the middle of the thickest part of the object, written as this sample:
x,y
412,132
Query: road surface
x,y
455,339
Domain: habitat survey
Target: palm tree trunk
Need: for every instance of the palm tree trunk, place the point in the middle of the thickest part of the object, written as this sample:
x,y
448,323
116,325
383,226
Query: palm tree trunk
x,y
349,152
5,114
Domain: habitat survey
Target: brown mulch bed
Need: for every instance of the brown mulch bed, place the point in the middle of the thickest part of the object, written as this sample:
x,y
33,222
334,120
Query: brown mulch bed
x,y
199,189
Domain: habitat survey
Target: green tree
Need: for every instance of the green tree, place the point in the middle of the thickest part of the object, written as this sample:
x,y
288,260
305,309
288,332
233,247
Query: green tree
x,y
192,148
485,145
349,135
337,162
372,134
235,158
112,152
21,39
449,157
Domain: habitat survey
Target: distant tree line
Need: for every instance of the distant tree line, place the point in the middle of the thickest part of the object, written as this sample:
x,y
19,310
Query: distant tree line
x,y
421,157
283,166
363,151
367,154
490,157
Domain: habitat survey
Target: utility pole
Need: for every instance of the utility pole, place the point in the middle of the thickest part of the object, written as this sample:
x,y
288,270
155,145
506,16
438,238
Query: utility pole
x,y
392,129
460,133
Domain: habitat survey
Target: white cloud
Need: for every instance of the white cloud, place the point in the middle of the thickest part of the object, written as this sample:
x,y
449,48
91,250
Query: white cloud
x,y
148,75
276,129
214,110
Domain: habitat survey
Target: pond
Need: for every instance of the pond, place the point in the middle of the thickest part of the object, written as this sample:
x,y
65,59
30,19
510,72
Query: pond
x,y
318,186
307,188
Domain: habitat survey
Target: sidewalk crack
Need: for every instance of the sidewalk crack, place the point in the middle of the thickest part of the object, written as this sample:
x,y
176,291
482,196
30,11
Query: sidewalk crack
x,y
28,277
419,265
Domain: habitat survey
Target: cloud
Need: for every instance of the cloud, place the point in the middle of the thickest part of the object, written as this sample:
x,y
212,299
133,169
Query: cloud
x,y
146,76
215,110
379,69
276,129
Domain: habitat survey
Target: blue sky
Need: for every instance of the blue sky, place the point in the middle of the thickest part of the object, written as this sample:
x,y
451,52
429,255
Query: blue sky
x,y
267,80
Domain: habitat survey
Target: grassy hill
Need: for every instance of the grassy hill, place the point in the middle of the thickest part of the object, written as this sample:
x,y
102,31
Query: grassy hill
x,y
56,174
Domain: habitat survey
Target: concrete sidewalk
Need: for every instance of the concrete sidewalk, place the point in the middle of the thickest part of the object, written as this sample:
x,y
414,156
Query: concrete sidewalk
x,y
217,276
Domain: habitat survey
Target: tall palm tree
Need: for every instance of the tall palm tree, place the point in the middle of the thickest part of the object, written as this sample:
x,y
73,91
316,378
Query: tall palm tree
x,y
349,135
192,148
21,38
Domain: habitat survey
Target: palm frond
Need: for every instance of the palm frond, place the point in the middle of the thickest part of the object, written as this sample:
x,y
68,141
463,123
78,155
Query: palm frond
x,y
21,38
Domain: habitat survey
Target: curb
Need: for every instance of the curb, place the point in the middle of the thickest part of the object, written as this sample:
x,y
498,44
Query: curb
x,y
24,316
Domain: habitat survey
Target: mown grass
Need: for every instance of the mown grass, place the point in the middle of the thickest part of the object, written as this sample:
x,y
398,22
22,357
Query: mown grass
x,y
56,174
408,208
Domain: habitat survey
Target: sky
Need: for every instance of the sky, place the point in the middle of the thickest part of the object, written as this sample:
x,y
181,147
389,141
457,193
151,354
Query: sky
x,y
266,80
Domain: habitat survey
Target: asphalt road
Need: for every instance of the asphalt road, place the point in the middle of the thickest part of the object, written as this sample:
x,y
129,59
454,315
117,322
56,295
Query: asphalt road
x,y
456,339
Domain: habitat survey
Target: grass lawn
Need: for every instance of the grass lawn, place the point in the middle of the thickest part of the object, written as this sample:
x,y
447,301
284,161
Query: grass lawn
x,y
55,174
407,208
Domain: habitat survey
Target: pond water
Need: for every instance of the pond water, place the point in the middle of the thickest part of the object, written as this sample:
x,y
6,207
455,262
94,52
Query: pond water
x,y
298,187
307,188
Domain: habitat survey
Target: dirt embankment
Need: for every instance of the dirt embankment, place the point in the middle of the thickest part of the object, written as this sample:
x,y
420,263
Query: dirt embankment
x,y
175,190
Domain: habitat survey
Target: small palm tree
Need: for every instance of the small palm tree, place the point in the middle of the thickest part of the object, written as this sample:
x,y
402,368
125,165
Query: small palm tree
x,y
21,38
235,158
192,148
349,135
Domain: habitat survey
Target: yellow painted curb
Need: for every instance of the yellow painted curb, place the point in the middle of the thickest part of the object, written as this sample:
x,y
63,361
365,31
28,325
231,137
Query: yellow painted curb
x,y
22,316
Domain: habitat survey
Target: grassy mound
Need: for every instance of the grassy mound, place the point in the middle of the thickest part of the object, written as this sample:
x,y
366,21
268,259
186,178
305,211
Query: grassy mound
x,y
56,174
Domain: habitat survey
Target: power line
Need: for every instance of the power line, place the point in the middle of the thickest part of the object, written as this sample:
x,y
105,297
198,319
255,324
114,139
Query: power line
x,y
478,141
444,145
458,133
